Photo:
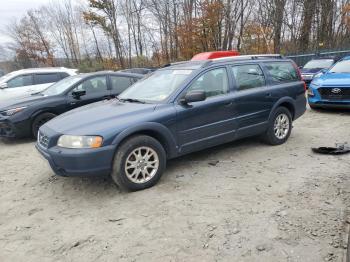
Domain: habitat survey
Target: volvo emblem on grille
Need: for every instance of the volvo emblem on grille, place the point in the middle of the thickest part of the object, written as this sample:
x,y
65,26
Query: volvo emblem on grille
x,y
336,90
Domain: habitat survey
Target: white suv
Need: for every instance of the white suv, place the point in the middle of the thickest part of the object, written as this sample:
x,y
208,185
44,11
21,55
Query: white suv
x,y
27,81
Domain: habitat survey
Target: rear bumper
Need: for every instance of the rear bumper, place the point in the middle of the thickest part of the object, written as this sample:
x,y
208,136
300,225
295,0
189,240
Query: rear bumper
x,y
79,162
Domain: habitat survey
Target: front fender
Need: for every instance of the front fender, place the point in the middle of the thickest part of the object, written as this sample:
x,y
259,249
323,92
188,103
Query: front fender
x,y
162,133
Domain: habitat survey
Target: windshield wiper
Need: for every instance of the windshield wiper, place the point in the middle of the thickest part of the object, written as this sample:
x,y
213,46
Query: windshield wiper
x,y
131,100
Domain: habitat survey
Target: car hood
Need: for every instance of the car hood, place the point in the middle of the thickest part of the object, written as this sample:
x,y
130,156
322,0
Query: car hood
x,y
333,79
22,101
99,117
311,70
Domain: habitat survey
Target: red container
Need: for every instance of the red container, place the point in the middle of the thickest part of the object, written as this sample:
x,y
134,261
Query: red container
x,y
213,55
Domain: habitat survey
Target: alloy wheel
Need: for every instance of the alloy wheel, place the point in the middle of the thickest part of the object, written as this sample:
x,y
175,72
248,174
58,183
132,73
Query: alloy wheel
x,y
281,126
141,165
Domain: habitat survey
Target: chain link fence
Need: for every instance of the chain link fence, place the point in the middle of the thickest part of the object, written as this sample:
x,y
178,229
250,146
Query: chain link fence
x,y
302,59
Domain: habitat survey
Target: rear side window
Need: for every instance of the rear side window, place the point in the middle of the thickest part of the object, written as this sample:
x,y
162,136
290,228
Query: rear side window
x,y
23,80
282,72
248,76
120,83
45,78
63,75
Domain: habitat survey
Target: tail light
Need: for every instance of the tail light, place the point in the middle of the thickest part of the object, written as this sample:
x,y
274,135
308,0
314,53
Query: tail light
x,y
299,74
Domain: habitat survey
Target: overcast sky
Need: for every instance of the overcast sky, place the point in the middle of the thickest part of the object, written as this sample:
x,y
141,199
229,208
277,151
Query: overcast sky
x,y
14,9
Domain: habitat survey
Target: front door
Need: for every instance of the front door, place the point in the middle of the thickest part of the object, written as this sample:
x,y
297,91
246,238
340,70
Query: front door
x,y
209,122
17,87
96,89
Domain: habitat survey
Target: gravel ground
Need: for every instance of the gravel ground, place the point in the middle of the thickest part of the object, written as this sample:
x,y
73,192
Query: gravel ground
x,y
244,201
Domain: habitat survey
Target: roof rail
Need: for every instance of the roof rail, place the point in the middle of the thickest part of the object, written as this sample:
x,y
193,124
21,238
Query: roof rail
x,y
252,57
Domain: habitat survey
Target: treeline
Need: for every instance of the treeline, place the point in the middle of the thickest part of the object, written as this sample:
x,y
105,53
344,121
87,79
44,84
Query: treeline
x,y
111,34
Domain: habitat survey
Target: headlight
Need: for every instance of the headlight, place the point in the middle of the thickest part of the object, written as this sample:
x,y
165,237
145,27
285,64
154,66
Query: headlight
x,y
13,111
310,91
67,141
318,75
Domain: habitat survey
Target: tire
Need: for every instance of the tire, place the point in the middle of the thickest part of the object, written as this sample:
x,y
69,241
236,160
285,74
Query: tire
x,y
39,121
136,176
279,135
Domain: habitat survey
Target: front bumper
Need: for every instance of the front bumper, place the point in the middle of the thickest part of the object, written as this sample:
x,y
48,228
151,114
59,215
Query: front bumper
x,y
79,162
10,129
317,101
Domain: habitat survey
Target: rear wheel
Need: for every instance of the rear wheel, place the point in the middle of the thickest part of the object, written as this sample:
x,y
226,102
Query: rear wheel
x,y
280,127
139,163
39,121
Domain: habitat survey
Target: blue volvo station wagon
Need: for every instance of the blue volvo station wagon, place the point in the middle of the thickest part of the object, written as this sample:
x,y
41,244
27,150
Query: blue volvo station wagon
x,y
179,109
332,88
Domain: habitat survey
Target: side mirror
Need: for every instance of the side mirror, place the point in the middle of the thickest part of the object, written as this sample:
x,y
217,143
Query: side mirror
x,y
194,96
78,94
3,86
300,67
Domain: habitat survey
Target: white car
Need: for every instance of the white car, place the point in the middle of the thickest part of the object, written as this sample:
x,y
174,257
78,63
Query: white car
x,y
28,81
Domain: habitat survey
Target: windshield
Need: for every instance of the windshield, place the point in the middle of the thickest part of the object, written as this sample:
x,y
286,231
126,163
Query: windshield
x,y
341,67
6,77
157,86
320,63
61,86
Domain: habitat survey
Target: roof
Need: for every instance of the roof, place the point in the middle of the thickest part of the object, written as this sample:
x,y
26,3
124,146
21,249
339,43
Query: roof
x,y
193,65
113,73
45,69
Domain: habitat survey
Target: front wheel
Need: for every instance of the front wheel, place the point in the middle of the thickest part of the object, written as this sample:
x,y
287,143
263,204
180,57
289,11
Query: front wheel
x,y
39,121
280,127
139,163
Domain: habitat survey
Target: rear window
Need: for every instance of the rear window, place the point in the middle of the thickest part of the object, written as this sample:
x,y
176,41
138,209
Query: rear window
x,y
46,78
282,72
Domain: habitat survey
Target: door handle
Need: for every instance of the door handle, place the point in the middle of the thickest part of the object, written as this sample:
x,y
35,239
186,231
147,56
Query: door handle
x,y
228,104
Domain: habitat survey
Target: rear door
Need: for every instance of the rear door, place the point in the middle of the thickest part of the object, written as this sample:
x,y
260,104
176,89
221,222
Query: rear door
x,y
96,89
252,98
120,83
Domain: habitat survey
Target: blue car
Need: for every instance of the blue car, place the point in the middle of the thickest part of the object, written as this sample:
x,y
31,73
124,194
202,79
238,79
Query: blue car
x,y
332,88
176,110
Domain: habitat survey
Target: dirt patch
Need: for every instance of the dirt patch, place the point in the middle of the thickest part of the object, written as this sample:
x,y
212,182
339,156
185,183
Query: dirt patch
x,y
244,201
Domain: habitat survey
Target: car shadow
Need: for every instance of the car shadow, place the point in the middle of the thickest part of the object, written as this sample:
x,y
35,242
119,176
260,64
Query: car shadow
x,y
16,141
342,111
104,187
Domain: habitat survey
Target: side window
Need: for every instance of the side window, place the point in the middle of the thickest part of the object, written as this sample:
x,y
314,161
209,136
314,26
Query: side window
x,y
24,80
40,79
213,83
93,85
120,83
248,76
282,72
63,75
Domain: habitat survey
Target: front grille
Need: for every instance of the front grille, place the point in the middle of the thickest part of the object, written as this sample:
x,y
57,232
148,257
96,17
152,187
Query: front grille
x,y
335,93
43,140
